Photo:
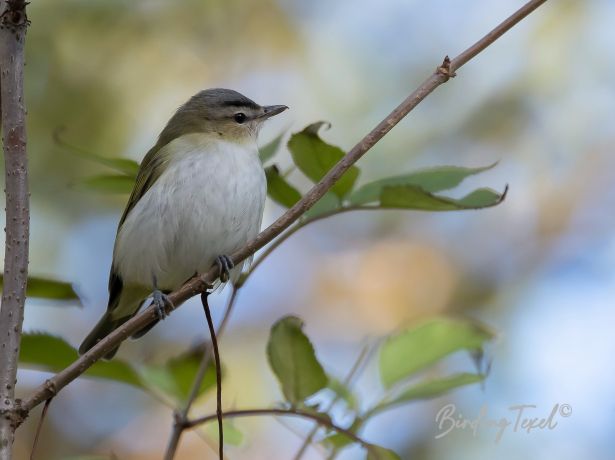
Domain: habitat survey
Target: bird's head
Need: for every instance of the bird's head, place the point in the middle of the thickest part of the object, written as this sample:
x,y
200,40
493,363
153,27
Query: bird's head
x,y
223,113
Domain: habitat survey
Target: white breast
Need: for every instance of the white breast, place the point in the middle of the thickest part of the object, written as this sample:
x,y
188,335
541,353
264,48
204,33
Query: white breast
x,y
208,202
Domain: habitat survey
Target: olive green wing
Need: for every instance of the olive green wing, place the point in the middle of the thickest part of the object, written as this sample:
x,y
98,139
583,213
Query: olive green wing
x,y
151,169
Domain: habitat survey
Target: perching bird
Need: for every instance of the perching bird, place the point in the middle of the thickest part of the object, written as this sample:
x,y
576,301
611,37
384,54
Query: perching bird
x,y
199,195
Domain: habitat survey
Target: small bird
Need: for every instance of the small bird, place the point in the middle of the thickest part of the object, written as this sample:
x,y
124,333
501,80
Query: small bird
x,y
199,195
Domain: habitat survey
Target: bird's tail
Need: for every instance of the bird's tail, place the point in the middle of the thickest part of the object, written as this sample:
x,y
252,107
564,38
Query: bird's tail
x,y
103,328
122,306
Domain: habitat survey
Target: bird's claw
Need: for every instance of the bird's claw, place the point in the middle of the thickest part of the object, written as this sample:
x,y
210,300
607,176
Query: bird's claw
x,y
225,265
161,300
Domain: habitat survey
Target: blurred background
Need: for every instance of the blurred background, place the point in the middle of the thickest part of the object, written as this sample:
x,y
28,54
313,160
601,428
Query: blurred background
x,y
539,269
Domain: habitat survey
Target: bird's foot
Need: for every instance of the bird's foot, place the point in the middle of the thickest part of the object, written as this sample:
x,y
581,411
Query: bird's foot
x,y
161,300
225,264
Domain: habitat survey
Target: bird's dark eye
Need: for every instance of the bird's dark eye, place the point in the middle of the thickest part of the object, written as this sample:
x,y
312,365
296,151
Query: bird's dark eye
x,y
240,117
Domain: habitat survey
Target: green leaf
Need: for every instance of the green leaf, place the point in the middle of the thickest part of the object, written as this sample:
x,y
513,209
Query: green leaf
x,y
175,377
46,288
124,165
432,389
412,197
314,157
49,353
404,354
337,441
267,151
279,190
109,183
293,360
381,453
232,436
430,179
326,204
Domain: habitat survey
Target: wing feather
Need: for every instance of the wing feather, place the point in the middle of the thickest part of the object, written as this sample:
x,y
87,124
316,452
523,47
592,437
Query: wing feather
x,y
150,170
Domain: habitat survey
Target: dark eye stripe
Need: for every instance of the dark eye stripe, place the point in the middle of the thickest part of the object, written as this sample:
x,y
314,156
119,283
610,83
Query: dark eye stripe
x,y
246,103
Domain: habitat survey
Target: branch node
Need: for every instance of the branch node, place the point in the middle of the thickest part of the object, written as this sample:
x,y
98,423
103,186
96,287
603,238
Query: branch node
x,y
15,16
14,413
180,421
51,388
445,69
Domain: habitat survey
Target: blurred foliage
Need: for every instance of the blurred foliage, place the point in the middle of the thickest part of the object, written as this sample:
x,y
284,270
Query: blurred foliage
x,y
290,353
45,288
96,89
109,183
232,435
299,372
173,379
403,356
53,354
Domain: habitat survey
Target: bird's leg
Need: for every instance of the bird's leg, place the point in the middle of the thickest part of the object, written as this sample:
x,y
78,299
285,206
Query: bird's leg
x,y
161,300
225,264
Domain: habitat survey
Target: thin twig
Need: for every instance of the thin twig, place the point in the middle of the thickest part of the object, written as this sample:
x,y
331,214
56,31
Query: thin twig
x,y
347,382
13,25
214,344
228,310
39,427
200,283
293,412
181,417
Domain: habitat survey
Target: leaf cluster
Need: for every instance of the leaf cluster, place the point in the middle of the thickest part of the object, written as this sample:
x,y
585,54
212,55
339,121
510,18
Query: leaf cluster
x,y
403,359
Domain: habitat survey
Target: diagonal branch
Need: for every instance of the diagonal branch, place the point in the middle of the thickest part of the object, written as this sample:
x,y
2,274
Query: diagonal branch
x,y
321,419
200,283
13,25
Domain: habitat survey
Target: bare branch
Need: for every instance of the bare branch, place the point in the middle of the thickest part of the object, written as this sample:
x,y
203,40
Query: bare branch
x,y
322,420
358,364
214,344
39,428
13,25
181,417
200,283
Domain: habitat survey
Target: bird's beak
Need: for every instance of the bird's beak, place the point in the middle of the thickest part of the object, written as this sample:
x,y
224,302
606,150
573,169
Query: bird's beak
x,y
271,110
